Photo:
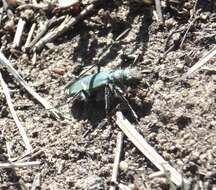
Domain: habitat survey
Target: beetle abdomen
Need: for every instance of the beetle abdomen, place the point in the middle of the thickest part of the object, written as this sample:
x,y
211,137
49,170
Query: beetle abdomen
x,y
90,83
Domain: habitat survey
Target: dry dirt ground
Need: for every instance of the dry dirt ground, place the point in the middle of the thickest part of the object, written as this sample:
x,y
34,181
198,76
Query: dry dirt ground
x,y
176,116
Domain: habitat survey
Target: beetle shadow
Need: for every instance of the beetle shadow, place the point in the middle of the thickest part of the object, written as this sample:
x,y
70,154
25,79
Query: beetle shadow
x,y
90,109
93,109
141,109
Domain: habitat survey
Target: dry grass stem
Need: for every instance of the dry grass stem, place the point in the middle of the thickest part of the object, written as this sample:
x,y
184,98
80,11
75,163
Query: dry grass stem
x,y
30,34
146,149
5,62
19,164
19,33
14,115
36,182
68,23
201,62
159,10
119,145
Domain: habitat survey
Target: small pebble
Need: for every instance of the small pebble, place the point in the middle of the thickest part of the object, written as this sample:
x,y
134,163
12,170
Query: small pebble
x,y
10,26
158,85
185,93
195,155
170,22
123,166
132,186
180,163
27,14
180,67
59,71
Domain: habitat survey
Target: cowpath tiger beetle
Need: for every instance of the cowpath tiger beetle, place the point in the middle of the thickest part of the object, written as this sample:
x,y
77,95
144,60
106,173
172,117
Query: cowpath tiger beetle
x,y
108,79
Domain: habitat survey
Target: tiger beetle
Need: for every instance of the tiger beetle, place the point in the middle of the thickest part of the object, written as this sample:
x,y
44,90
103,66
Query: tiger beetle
x,y
91,83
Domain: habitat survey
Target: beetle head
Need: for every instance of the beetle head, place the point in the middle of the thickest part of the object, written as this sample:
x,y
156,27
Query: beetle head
x,y
132,73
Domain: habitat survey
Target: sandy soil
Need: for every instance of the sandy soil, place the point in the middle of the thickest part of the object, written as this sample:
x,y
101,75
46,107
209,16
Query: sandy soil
x,y
176,116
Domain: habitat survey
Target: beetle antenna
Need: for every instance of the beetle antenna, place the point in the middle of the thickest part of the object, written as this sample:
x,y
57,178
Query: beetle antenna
x,y
127,102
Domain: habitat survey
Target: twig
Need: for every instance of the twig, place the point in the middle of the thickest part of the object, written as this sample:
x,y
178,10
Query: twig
x,y
113,42
195,7
193,20
43,30
30,34
166,47
19,164
157,174
27,155
36,182
119,145
5,62
68,23
14,115
186,32
34,58
146,149
159,11
19,32
201,62
9,152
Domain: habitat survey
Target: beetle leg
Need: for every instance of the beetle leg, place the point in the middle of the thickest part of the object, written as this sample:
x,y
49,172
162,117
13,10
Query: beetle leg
x,y
75,97
126,101
84,96
118,90
98,68
107,99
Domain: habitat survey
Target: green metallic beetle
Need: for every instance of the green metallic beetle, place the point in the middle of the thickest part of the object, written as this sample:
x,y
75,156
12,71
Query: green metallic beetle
x,y
90,83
